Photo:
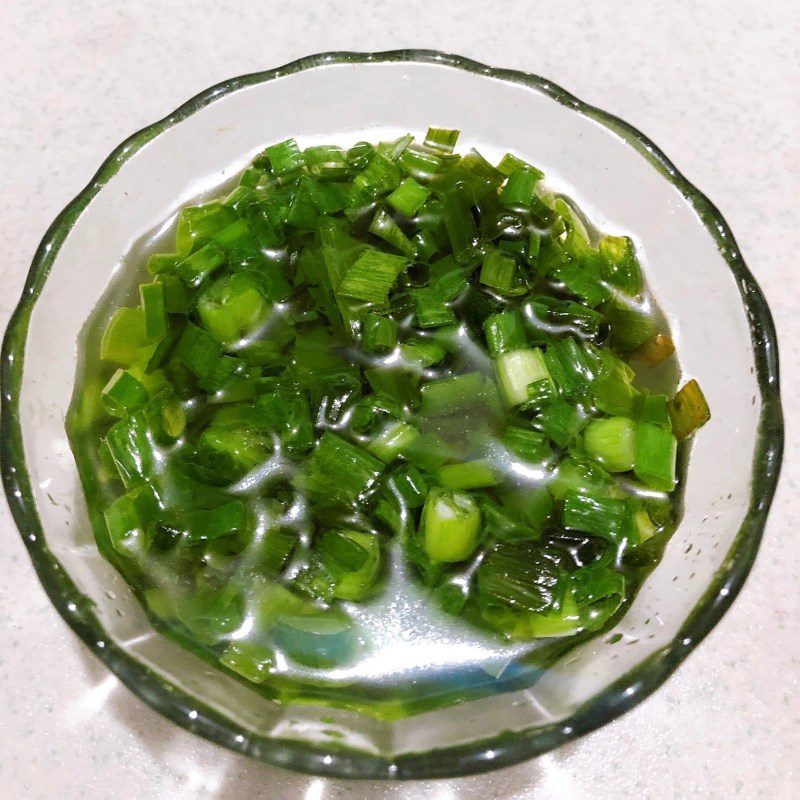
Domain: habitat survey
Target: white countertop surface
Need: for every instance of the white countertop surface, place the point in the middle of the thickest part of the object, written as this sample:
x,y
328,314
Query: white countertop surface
x,y
716,84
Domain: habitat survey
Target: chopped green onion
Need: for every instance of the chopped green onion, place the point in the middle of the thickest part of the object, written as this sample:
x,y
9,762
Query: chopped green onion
x,y
288,415
534,507
474,173
643,526
125,338
303,213
443,266
398,384
429,452
430,308
595,514
688,410
584,283
612,442
194,269
131,448
393,440
244,196
419,164
613,390
654,464
268,231
251,177
540,394
451,522
654,350
596,583
520,189
503,521
504,332
430,218
526,444
510,164
517,370
411,485
441,139
450,285
251,660
357,566
166,416
371,276
408,197
308,373
159,263
207,524
518,577
460,226
630,327
232,307
570,366
534,248
573,224
317,581
393,150
223,374
380,176
515,247
197,225
238,243
342,552
452,595
211,615
154,309
499,271
422,352
378,333
340,473
360,154
198,351
468,475
561,421
653,408
328,198
230,453
176,298
452,395
425,244
550,315
327,163
284,157
276,549
621,268
122,394
581,475
384,226
129,517
559,622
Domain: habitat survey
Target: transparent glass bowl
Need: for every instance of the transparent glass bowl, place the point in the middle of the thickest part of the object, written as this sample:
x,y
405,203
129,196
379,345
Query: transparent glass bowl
x,y
724,333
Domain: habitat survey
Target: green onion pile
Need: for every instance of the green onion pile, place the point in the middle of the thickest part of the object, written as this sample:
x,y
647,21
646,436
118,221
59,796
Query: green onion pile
x,y
375,356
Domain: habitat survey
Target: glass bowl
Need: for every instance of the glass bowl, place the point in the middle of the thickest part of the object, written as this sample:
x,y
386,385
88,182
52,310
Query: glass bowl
x,y
722,325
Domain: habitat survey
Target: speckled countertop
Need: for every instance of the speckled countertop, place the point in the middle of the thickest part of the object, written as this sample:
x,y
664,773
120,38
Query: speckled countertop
x,y
716,84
